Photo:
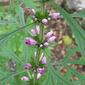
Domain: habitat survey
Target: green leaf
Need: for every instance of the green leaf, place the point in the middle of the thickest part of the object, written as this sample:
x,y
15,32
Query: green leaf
x,y
9,76
80,14
54,75
31,3
6,51
5,37
80,76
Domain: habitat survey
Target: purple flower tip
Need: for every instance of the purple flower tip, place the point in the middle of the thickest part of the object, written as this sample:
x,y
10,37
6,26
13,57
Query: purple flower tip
x,y
49,18
33,11
44,60
12,69
33,32
30,41
13,63
46,44
24,78
52,39
37,29
41,45
39,75
7,64
44,21
40,70
28,66
49,34
34,54
54,15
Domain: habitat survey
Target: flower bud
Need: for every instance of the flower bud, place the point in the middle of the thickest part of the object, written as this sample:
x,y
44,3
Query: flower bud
x,y
39,75
37,29
24,78
41,46
44,21
7,64
46,44
34,54
35,19
49,34
54,15
40,70
30,41
28,66
33,11
13,63
12,69
49,18
44,60
52,39
33,32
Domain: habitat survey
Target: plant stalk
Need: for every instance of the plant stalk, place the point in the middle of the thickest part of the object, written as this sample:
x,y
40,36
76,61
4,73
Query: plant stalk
x,y
39,49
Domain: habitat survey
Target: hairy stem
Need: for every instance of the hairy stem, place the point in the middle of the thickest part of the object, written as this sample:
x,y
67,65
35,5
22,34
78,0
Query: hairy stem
x,y
39,49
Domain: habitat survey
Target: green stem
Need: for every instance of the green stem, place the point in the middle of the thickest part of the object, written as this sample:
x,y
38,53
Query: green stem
x,y
42,7
41,32
39,49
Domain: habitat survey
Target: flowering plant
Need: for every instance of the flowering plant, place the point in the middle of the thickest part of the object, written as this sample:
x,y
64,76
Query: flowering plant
x,y
25,59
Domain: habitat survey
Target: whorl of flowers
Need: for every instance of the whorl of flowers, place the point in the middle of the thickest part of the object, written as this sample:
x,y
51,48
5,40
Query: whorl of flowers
x,y
11,66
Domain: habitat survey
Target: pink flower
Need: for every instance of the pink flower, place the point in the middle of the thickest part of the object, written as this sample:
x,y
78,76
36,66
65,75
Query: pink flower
x,y
49,34
24,78
7,64
33,11
35,19
41,45
39,75
52,39
34,54
30,41
13,63
44,21
46,44
41,56
40,70
33,16
49,18
12,69
33,32
37,29
54,15
44,60
28,66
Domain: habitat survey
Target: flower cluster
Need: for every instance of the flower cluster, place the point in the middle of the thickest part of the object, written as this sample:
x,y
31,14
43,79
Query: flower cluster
x,y
50,38
11,66
46,19
53,15
37,66
30,11
40,71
